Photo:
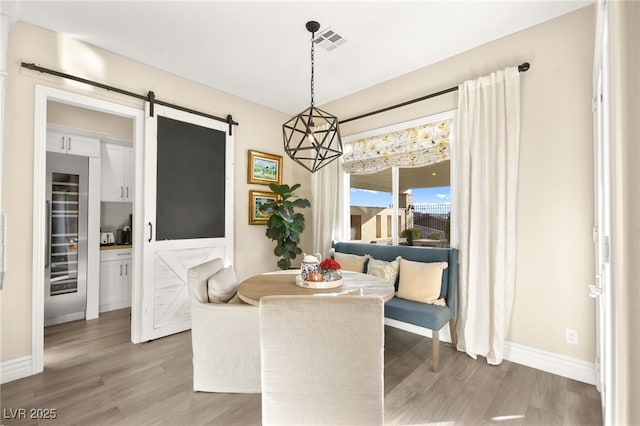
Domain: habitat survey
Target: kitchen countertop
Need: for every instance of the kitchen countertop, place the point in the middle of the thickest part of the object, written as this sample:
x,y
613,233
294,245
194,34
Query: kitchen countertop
x,y
116,247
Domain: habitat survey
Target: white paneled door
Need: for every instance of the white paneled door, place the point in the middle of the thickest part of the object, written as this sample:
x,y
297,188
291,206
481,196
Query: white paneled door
x,y
188,211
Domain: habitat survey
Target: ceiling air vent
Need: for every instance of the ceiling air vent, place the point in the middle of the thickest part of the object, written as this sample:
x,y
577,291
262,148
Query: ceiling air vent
x,y
329,39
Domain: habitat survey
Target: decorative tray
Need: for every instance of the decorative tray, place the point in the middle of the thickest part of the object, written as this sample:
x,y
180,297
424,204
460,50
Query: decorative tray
x,y
317,284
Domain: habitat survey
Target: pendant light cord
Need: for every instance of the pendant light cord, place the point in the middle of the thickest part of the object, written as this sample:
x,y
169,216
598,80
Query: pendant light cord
x,y
313,36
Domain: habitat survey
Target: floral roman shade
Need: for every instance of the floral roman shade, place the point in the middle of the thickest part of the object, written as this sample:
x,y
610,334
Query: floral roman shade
x,y
412,147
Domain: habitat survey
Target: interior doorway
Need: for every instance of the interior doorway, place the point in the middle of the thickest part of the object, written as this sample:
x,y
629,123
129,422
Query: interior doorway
x,y
45,95
100,262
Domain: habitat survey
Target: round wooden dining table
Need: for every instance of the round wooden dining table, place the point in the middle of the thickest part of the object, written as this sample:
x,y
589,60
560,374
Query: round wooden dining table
x,y
283,283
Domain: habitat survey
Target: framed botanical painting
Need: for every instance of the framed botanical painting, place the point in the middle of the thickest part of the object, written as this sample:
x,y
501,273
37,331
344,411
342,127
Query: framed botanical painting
x,y
256,199
264,168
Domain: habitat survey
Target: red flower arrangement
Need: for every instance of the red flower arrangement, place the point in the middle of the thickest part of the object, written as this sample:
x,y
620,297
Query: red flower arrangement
x,y
329,265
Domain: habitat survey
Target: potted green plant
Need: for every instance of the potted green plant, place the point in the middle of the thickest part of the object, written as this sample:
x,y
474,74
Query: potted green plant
x,y
285,224
411,234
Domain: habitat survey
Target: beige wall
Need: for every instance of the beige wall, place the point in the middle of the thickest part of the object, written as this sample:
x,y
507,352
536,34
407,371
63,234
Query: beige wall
x,y
555,204
109,125
260,129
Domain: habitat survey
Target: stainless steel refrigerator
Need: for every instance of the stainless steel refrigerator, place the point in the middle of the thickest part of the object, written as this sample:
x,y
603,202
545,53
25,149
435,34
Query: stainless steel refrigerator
x,y
65,296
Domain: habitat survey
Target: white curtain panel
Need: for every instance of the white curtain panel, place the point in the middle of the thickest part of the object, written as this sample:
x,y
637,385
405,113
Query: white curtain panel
x,y
324,207
486,159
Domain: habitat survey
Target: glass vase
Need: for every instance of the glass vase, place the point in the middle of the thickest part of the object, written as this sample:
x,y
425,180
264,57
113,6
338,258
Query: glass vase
x,y
332,276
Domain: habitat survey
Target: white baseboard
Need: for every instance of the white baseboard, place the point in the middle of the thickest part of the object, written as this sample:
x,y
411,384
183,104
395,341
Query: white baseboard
x,y
562,365
63,318
16,368
116,305
550,362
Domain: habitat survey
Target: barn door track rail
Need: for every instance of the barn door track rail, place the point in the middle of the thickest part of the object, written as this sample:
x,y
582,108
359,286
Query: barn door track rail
x,y
149,97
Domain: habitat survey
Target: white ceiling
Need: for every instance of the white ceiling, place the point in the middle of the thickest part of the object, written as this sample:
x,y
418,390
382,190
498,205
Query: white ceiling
x,y
261,50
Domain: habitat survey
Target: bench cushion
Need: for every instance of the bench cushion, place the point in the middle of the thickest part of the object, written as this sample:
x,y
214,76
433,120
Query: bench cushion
x,y
414,313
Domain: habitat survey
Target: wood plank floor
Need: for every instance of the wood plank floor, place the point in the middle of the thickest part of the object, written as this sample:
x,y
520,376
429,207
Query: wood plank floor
x,y
95,376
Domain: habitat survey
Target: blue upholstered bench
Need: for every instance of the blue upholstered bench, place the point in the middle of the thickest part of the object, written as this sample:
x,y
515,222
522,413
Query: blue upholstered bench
x,y
421,314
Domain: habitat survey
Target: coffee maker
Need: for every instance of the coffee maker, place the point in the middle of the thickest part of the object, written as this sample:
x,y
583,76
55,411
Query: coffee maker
x,y
124,235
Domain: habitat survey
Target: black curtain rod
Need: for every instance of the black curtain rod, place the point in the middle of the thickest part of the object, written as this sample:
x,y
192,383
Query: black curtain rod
x,y
521,68
149,97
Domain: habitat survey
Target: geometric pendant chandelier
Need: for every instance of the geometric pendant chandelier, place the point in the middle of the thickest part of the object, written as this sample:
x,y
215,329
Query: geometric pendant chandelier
x,y
312,138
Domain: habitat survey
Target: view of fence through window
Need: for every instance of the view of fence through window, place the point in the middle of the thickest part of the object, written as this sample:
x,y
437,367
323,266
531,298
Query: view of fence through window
x,y
423,206
432,219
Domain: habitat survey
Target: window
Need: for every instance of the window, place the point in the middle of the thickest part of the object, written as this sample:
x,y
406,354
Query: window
x,y
425,199
371,200
422,194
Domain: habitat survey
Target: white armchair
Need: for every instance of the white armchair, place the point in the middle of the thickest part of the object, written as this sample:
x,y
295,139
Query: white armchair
x,y
225,338
322,360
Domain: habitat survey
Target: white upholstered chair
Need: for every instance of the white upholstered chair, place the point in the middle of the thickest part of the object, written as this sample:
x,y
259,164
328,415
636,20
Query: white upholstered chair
x,y
225,338
322,360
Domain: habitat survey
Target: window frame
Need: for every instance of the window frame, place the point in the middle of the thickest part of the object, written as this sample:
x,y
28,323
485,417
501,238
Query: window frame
x,y
343,227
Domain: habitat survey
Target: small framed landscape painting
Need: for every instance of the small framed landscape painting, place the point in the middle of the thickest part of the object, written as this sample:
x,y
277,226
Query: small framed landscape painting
x,y
264,168
256,199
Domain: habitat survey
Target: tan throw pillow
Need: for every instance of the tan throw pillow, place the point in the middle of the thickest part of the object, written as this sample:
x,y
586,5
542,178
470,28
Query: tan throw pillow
x,y
383,269
222,285
350,262
421,281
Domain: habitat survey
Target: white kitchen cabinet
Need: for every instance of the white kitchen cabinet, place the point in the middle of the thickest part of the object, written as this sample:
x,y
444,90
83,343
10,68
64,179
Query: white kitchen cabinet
x,y
67,143
117,172
115,279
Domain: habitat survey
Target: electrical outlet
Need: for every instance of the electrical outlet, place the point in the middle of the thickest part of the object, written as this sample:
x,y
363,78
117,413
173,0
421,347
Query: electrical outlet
x,y
571,336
